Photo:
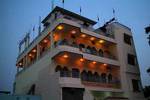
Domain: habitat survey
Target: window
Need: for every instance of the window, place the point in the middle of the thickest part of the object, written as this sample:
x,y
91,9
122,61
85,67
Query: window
x,y
127,39
131,59
136,85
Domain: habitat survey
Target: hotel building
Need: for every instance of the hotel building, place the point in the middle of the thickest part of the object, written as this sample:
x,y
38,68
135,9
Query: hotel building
x,y
70,60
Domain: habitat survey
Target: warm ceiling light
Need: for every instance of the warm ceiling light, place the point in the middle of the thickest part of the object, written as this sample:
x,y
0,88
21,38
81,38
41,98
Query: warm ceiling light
x,y
101,41
34,50
45,41
94,62
81,59
105,64
30,55
83,35
73,32
20,64
92,38
60,27
65,56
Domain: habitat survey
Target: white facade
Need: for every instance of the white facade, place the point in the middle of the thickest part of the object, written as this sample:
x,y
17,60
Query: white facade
x,y
65,43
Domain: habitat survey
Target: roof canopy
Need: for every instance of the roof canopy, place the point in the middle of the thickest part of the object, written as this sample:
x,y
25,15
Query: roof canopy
x,y
64,11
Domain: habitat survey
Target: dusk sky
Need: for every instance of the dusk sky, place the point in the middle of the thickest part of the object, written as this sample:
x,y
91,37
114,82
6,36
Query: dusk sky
x,y
19,16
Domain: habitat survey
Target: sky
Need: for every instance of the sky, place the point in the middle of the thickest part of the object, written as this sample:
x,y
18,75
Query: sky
x,y
19,16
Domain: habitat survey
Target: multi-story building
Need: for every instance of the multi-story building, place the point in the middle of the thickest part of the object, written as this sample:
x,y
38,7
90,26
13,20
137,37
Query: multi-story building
x,y
70,60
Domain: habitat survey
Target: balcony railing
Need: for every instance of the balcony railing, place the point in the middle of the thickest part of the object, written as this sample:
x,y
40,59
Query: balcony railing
x,y
88,78
110,35
88,49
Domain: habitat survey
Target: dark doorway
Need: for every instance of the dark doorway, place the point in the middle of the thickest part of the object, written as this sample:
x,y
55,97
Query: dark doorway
x,y
72,93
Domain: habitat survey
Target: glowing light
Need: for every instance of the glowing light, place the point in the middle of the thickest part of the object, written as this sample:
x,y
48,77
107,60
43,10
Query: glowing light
x,y
45,41
34,50
20,64
65,56
105,64
30,55
73,32
60,27
94,62
92,38
81,59
83,35
101,41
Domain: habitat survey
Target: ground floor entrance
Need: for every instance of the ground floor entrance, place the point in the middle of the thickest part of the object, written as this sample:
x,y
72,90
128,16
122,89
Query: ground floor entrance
x,y
72,93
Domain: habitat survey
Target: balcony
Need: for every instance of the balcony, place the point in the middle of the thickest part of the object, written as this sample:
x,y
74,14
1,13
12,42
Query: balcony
x,y
86,27
86,49
87,78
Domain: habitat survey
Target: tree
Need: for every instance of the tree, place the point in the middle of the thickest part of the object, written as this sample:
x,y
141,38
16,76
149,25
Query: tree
x,y
147,31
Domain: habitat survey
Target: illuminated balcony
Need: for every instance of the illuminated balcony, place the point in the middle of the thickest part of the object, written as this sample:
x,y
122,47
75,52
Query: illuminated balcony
x,y
71,36
91,73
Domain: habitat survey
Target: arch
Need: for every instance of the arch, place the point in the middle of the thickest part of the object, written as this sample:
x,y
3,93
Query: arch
x,y
75,73
96,77
90,76
84,75
65,72
88,49
94,51
100,52
81,46
103,77
109,78
58,68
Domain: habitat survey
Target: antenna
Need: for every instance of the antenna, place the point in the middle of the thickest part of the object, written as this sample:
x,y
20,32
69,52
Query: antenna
x,y
52,5
63,1
80,10
39,28
114,14
98,20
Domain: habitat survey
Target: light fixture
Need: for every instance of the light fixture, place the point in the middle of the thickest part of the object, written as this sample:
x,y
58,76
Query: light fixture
x,y
105,64
83,35
81,59
73,32
30,55
94,62
34,50
101,41
60,27
65,56
45,41
92,38
20,64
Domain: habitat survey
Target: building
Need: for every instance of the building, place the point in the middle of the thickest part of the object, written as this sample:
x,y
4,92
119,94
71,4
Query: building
x,y
71,60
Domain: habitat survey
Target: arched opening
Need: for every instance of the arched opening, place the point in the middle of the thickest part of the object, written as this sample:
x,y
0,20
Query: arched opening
x,y
75,73
58,68
96,77
100,52
109,78
103,77
84,75
90,76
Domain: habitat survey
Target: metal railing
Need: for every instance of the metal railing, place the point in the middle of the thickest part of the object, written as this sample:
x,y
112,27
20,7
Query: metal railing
x,y
84,49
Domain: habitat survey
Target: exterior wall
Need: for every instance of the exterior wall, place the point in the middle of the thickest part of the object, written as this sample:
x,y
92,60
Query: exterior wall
x,y
127,71
48,84
29,76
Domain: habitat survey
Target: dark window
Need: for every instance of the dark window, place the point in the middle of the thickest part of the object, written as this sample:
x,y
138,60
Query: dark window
x,y
131,59
136,85
127,39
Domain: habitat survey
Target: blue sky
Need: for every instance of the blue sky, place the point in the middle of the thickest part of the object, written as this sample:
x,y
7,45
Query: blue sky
x,y
19,16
